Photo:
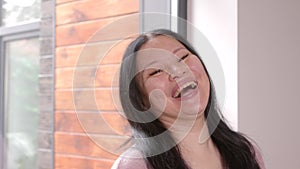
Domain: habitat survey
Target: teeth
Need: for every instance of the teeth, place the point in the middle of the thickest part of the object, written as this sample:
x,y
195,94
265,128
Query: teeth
x,y
189,84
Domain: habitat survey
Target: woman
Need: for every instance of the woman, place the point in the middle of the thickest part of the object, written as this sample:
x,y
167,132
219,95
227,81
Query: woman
x,y
169,100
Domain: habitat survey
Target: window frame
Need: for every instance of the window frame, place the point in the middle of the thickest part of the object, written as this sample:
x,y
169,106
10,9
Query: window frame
x,y
175,8
7,34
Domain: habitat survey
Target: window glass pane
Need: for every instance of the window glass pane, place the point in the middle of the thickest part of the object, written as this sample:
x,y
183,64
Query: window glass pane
x,y
20,11
22,103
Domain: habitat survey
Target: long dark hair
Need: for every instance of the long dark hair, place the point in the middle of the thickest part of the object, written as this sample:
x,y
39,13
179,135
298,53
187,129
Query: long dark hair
x,y
235,149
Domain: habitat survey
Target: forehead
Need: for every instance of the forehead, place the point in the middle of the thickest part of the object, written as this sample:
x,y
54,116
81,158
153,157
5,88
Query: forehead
x,y
162,42
157,51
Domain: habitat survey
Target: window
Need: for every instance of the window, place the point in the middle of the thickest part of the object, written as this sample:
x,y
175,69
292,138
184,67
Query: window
x,y
19,85
15,12
164,14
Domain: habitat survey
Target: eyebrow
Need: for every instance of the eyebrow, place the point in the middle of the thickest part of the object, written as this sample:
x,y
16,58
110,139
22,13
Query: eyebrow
x,y
177,49
149,64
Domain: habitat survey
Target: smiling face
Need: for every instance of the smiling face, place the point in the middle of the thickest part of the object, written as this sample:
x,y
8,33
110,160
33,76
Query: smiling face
x,y
171,78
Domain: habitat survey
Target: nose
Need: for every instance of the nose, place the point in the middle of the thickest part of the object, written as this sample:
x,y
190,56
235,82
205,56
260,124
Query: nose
x,y
177,70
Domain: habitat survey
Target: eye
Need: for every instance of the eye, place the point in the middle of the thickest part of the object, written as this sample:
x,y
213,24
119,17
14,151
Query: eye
x,y
155,72
184,57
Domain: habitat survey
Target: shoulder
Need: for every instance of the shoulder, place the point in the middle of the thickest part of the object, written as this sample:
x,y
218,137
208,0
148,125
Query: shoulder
x,y
260,160
131,158
259,157
256,152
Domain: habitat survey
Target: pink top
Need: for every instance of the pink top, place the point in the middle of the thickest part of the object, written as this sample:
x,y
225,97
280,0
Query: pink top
x,y
133,159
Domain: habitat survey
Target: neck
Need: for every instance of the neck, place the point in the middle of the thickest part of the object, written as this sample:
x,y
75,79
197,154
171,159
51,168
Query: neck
x,y
194,128
198,149
195,143
198,133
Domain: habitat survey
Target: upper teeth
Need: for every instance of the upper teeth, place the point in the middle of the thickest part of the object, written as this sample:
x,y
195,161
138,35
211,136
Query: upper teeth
x,y
179,90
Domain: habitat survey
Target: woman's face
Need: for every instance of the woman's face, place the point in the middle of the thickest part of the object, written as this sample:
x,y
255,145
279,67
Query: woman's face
x,y
171,78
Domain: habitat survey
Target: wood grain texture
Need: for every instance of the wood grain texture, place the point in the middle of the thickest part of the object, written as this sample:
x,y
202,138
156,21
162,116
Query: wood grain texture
x,y
86,99
90,55
86,104
91,122
86,10
74,162
81,145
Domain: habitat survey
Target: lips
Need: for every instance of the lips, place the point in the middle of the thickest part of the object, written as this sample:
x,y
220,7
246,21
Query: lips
x,y
185,87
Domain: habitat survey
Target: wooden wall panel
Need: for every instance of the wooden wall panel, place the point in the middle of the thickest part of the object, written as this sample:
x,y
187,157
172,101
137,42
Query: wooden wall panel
x,y
87,77
67,56
107,29
92,122
78,33
67,121
64,1
86,63
75,162
85,100
81,145
85,10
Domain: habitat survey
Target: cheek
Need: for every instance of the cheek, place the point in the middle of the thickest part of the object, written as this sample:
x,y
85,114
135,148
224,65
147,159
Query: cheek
x,y
197,68
200,73
156,95
155,84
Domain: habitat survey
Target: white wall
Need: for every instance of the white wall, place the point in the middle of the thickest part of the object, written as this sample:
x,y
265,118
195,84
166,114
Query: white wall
x,y
268,70
217,20
269,80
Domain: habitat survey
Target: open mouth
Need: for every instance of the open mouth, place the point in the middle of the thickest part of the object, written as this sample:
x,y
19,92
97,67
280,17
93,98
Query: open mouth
x,y
185,88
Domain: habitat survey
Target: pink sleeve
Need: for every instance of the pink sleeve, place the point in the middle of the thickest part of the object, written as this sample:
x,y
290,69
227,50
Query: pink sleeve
x,y
130,160
259,158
